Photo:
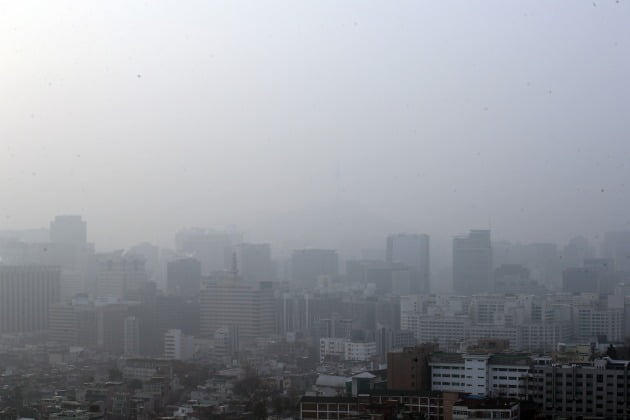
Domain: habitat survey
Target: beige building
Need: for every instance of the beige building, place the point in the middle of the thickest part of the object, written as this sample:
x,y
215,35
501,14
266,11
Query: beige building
x,y
235,303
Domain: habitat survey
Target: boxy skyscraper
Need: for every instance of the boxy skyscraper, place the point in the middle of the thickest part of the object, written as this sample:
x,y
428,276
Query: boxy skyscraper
x,y
472,263
413,252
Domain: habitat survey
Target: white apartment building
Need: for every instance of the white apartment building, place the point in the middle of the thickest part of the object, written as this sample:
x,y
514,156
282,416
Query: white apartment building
x,y
360,352
495,375
590,322
334,347
505,332
345,349
447,331
543,337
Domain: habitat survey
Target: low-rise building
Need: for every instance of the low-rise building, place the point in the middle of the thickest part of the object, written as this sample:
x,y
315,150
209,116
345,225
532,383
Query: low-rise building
x,y
360,351
487,375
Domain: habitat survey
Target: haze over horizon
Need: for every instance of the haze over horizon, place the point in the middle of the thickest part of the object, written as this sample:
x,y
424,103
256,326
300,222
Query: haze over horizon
x,y
323,124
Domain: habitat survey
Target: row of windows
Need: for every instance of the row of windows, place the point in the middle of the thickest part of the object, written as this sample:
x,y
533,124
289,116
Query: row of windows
x,y
455,384
449,383
600,377
459,367
510,369
446,367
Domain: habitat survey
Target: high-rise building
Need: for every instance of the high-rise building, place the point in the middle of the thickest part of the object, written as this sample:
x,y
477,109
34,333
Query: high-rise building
x,y
119,275
76,262
152,261
413,252
515,278
574,253
73,324
212,249
308,265
132,336
580,280
472,263
603,321
183,277
386,277
254,262
110,325
26,294
335,327
68,229
616,247
596,276
233,302
65,248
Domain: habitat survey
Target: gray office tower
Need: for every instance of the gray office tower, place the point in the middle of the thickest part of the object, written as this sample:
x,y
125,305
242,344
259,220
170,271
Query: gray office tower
x,y
69,230
616,247
472,263
413,252
183,277
254,262
307,265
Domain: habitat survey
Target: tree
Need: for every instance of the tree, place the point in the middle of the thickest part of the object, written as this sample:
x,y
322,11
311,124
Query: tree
x,y
260,410
249,385
611,351
254,391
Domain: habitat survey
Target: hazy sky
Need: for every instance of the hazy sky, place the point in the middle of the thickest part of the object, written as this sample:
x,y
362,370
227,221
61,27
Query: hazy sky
x,y
434,117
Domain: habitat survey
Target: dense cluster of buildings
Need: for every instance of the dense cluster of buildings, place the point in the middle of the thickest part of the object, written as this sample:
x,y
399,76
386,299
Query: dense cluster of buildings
x,y
526,327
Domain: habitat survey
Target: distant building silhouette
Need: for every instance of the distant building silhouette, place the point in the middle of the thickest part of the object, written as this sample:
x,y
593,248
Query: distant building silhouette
x,y
254,262
307,265
212,249
132,336
183,277
472,263
595,276
616,247
574,253
118,275
68,229
413,252
515,279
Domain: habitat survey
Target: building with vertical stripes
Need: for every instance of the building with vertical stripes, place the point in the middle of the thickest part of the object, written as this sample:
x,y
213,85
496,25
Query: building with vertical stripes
x,y
26,294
